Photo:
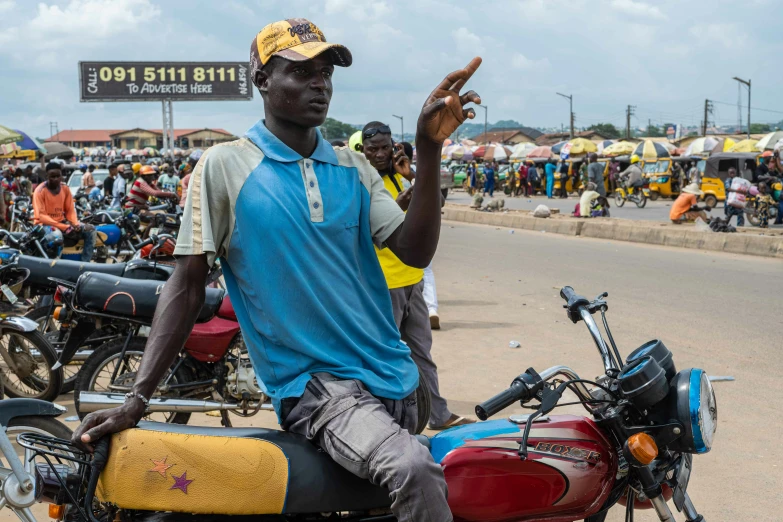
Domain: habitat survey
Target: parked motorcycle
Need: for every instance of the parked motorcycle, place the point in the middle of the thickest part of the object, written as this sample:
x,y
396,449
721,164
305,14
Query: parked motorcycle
x,y
26,358
646,421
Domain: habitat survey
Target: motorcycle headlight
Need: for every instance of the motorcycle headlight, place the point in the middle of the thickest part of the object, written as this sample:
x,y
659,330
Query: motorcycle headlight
x,y
696,409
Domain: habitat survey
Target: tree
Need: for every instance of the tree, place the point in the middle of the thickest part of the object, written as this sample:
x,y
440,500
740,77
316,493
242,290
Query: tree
x,y
606,129
654,132
760,128
336,130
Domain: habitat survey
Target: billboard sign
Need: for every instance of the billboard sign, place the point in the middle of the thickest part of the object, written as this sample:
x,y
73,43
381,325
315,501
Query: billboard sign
x,y
156,81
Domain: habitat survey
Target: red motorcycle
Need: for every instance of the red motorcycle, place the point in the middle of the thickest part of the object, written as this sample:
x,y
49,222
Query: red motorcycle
x,y
646,421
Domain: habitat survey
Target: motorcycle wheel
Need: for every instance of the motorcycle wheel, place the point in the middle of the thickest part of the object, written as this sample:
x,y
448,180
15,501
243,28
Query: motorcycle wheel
x,y
641,201
50,332
654,195
752,217
619,200
34,357
423,403
98,368
711,201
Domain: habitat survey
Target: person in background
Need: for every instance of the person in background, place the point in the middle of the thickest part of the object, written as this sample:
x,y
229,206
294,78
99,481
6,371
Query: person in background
x,y
522,180
108,183
511,182
583,179
763,203
550,177
88,181
186,170
728,209
586,199
595,174
685,208
54,209
142,189
120,187
761,170
631,178
489,179
96,193
694,176
472,173
563,171
405,283
677,177
614,170
533,179
168,181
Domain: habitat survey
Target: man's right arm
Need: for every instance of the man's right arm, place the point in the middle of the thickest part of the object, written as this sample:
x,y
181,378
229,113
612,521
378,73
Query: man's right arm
x,y
179,304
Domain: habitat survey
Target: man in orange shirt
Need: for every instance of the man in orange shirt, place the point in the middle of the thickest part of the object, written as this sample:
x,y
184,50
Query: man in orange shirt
x,y
53,206
685,209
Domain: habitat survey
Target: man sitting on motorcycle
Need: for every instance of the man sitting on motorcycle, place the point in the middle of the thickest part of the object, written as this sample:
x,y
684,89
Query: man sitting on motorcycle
x,y
54,208
632,176
142,189
293,221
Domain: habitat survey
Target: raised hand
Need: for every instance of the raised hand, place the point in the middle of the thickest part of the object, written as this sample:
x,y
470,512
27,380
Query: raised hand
x,y
444,109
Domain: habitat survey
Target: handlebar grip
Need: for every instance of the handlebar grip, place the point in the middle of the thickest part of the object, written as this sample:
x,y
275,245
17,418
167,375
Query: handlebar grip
x,y
517,391
567,293
143,244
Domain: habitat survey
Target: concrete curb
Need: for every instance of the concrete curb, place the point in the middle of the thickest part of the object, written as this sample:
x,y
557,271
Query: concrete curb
x,y
764,246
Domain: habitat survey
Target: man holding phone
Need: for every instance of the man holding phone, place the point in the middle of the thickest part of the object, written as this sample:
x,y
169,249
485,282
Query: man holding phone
x,y
406,284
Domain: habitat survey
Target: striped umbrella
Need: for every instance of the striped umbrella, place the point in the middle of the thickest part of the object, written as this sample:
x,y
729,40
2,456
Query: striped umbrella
x,y
747,145
521,150
9,135
601,145
723,145
768,142
540,152
621,148
651,150
557,148
8,148
701,146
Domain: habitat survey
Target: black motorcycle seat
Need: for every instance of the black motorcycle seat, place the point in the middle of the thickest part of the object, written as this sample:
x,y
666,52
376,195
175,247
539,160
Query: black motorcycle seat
x,y
316,483
42,269
132,298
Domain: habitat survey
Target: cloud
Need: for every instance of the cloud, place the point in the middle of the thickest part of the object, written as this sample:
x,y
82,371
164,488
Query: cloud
x,y
467,42
360,11
725,34
638,9
91,19
7,6
522,62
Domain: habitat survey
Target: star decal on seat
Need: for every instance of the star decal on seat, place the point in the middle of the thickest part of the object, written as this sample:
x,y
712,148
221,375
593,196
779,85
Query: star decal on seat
x,y
181,483
160,466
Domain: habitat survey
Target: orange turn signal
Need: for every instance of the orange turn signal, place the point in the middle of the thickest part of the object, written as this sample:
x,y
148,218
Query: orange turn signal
x,y
56,511
642,447
56,315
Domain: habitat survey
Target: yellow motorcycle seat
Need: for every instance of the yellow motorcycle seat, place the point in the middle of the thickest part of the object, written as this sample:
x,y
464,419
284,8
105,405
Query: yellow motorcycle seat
x,y
153,470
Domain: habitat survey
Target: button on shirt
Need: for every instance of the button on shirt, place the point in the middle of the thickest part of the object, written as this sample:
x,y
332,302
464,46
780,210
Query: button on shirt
x,y
296,241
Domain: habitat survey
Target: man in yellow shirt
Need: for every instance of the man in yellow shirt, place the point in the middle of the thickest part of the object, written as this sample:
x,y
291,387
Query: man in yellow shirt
x,y
406,283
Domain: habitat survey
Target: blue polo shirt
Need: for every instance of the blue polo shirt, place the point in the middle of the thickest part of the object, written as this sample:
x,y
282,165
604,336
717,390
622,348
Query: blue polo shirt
x,y
295,238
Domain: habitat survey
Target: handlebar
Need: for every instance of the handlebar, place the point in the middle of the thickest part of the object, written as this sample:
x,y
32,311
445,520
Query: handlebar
x,y
516,392
581,308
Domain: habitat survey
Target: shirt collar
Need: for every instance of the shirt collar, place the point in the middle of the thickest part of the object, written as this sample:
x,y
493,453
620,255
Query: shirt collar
x,y
275,149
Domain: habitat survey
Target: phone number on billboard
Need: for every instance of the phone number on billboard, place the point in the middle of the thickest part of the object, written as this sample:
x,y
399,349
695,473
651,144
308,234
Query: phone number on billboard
x,y
168,74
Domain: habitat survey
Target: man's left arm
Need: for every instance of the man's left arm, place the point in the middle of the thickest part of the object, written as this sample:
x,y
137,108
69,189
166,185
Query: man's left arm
x,y
416,239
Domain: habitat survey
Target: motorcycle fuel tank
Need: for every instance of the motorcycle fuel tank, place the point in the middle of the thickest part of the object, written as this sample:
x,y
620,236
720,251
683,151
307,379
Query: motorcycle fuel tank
x,y
567,476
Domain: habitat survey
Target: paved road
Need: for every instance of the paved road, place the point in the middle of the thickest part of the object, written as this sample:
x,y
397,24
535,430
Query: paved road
x,y
653,211
716,311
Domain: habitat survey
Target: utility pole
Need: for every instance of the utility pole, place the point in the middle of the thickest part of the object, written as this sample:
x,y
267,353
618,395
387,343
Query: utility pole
x,y
707,112
53,128
628,113
486,111
402,128
570,98
747,84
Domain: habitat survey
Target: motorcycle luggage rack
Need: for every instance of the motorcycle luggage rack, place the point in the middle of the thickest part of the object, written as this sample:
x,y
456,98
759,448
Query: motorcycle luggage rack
x,y
55,451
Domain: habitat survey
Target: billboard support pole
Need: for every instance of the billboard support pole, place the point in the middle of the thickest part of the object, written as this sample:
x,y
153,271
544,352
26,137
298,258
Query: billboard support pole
x,y
165,126
171,129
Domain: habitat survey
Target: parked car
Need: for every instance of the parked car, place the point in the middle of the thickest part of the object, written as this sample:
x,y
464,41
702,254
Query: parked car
x,y
75,181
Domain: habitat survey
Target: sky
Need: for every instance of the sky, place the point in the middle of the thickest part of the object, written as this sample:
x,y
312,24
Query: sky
x,y
665,57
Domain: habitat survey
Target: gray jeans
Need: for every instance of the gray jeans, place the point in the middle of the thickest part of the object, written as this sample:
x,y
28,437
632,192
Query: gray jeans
x,y
372,438
413,320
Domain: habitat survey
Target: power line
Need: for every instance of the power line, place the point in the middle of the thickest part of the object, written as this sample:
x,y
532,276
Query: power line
x,y
745,107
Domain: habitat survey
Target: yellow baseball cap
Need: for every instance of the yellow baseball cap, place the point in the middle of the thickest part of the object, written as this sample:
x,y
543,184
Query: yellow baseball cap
x,y
295,39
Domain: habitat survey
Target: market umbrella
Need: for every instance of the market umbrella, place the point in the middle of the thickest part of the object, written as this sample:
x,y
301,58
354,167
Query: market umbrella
x,y
447,142
57,150
8,135
723,145
621,148
9,148
151,151
651,150
768,142
701,145
557,148
540,152
459,153
746,145
196,154
30,143
493,151
601,145
468,143
582,146
521,150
